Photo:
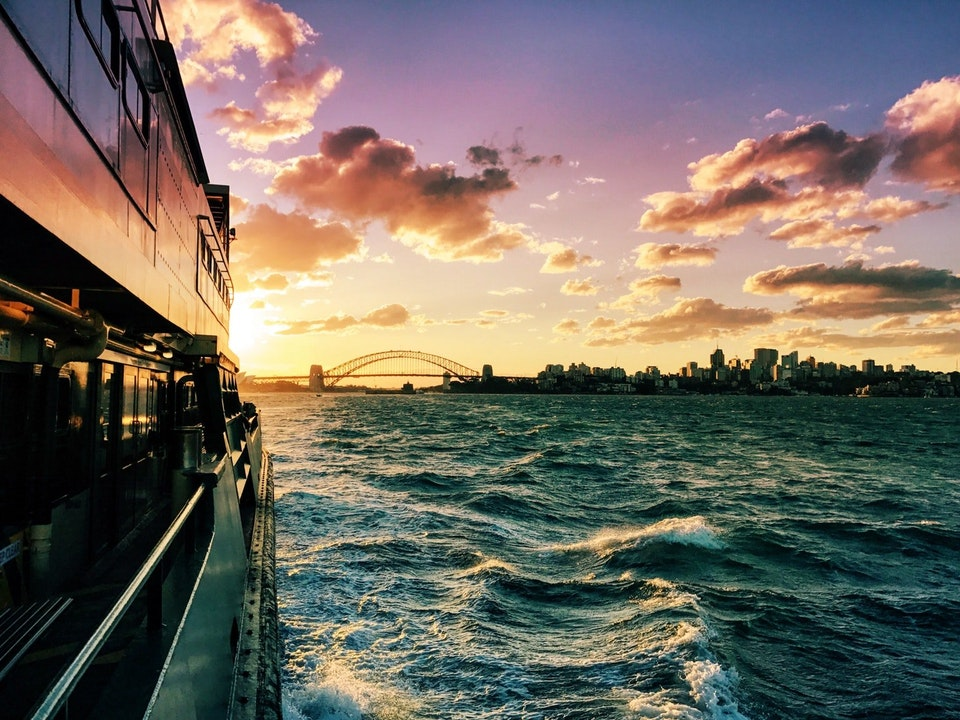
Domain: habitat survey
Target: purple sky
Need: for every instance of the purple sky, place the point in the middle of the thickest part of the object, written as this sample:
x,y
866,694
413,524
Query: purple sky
x,y
626,183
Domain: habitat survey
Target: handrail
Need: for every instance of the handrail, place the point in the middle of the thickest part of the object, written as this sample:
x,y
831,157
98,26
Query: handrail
x,y
60,692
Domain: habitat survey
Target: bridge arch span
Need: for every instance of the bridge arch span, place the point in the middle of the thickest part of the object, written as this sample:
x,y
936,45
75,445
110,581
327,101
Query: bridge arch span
x,y
391,363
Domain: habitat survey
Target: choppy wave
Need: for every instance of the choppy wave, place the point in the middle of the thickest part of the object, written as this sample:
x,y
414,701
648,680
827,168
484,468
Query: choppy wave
x,y
591,558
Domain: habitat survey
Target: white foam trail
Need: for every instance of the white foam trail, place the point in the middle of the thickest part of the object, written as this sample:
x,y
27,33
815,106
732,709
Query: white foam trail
x,y
712,688
339,694
681,531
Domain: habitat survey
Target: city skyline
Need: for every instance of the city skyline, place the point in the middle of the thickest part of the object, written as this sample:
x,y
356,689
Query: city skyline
x,y
635,183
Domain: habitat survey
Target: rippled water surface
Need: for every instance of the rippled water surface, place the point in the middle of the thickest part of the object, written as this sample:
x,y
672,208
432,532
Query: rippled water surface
x,y
613,557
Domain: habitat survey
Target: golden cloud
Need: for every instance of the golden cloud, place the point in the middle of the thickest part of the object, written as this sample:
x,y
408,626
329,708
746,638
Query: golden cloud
x,y
562,259
567,326
359,176
210,35
818,233
291,241
653,255
646,291
579,287
688,319
388,316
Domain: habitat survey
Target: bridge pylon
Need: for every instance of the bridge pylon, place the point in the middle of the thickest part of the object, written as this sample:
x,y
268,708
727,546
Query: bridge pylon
x,y
316,383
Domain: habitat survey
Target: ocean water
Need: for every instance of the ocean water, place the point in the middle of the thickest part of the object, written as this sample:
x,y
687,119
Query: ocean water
x,y
590,557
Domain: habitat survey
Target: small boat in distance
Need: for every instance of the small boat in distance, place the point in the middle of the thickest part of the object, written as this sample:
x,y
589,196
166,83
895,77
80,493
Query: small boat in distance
x,y
136,515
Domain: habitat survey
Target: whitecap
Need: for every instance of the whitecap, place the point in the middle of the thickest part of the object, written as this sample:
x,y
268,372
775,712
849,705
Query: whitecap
x,y
680,531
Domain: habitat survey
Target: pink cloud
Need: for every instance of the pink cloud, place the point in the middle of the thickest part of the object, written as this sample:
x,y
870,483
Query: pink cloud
x,y
653,255
927,125
211,35
291,241
359,176
646,291
818,233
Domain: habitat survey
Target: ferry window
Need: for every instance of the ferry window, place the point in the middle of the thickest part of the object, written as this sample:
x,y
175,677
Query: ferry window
x,y
100,22
64,411
135,98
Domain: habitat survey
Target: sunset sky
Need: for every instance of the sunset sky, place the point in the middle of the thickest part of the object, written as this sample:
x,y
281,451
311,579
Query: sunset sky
x,y
616,183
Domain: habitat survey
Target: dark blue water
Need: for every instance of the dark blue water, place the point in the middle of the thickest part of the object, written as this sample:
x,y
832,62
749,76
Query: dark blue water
x,y
612,557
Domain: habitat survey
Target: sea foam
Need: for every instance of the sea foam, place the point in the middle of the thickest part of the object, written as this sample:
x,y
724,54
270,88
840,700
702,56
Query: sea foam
x,y
680,531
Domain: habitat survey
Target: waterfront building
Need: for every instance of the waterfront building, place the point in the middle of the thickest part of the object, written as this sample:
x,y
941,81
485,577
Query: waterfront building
x,y
716,359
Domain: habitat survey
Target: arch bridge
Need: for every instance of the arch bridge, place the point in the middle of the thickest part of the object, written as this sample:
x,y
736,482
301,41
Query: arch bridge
x,y
390,363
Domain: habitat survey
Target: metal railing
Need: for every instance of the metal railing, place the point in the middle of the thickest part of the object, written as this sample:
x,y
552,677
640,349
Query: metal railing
x,y
60,693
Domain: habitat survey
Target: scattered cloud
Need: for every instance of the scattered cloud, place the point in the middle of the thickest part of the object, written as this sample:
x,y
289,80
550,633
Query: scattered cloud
x,y
777,114
510,291
211,35
562,259
567,326
579,287
819,233
926,124
852,291
920,342
291,241
359,177
653,255
817,172
688,319
388,316
814,154
646,291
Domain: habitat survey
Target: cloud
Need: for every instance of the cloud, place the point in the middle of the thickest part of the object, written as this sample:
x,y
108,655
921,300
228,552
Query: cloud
x,y
653,255
579,287
823,233
561,259
854,291
388,316
891,208
645,291
688,319
567,326
510,291
926,124
359,176
776,114
292,241
513,156
274,281
211,35
817,172
814,154
921,343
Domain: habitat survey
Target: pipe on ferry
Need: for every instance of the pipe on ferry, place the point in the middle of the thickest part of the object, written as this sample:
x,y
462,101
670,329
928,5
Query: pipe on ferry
x,y
89,331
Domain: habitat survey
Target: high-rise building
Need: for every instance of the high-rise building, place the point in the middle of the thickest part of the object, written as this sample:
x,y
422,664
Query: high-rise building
x,y
716,359
765,357
868,367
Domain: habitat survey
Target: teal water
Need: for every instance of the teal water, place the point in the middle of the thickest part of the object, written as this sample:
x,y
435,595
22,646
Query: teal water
x,y
546,557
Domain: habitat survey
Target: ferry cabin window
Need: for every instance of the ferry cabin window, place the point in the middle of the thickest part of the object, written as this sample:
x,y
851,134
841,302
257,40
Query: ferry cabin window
x,y
100,22
135,98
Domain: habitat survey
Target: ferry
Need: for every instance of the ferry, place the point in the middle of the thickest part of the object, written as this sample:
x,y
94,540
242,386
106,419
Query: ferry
x,y
136,515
